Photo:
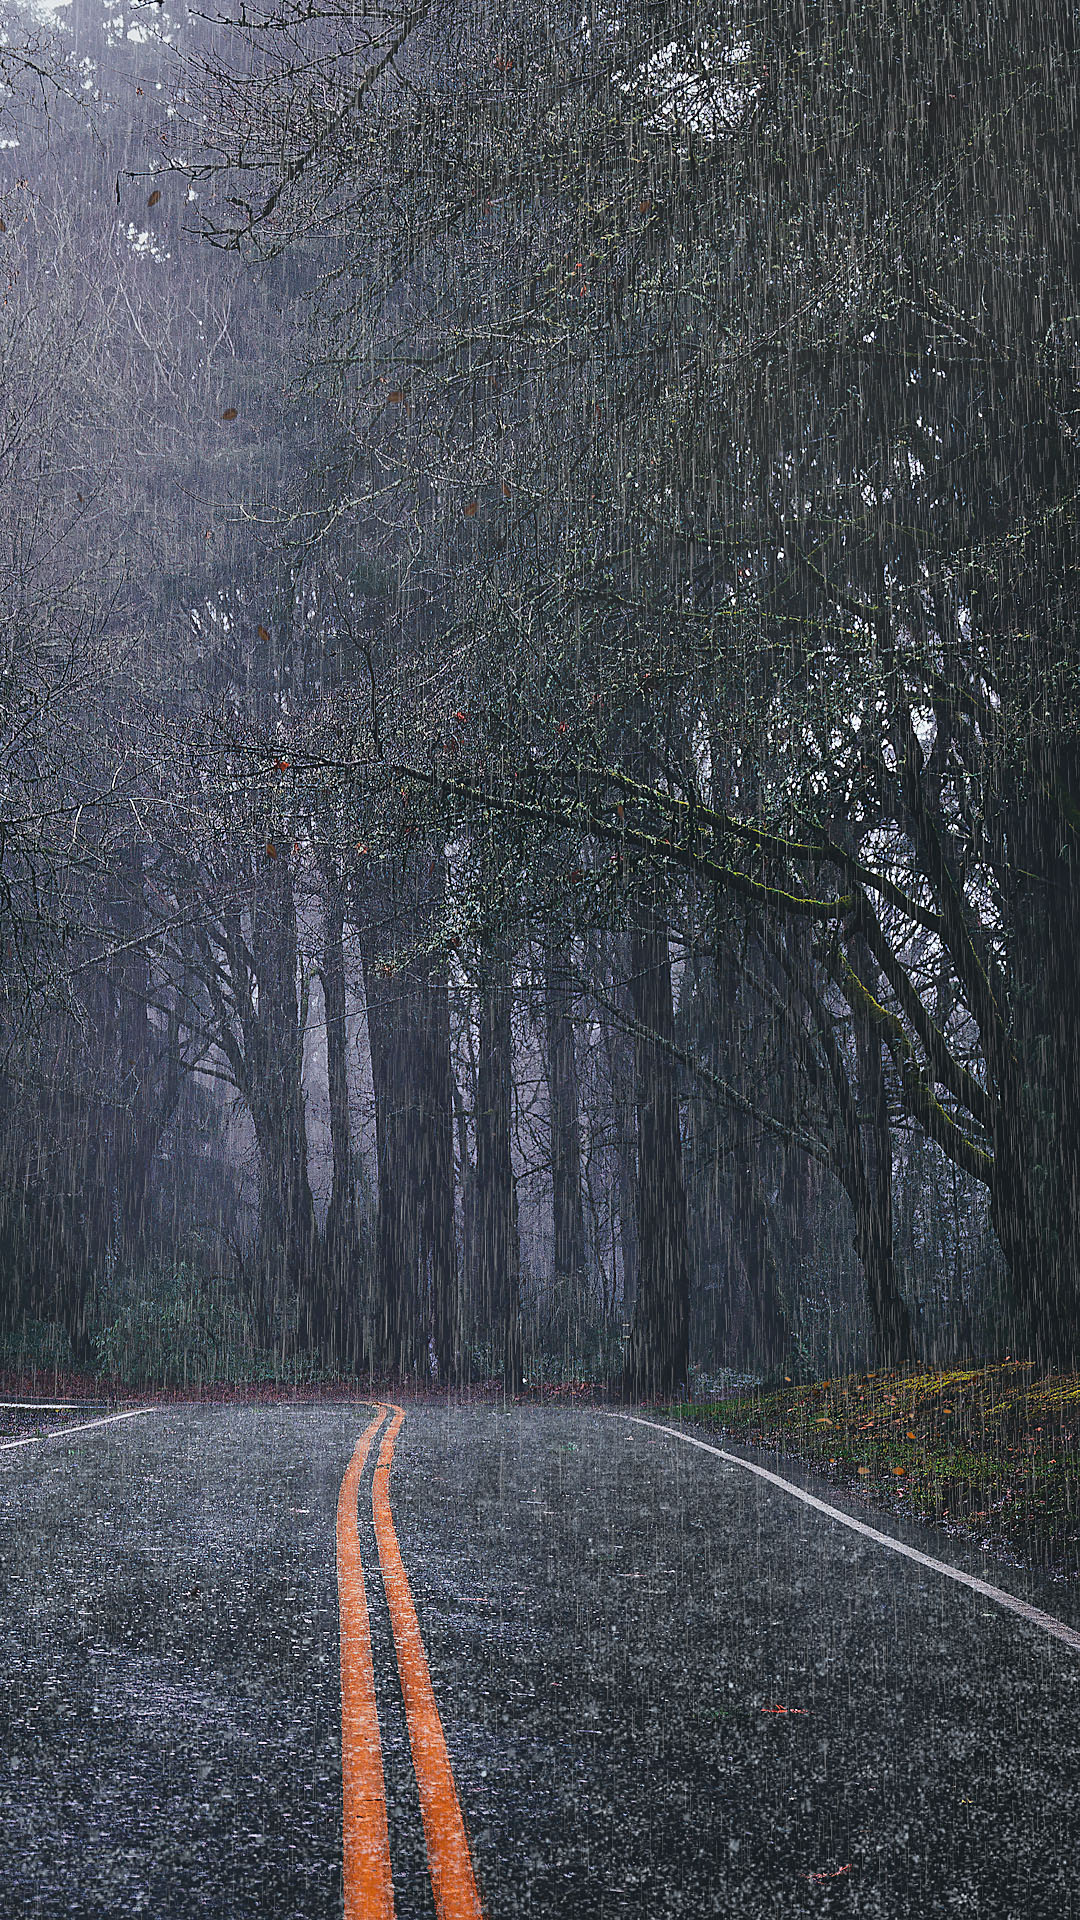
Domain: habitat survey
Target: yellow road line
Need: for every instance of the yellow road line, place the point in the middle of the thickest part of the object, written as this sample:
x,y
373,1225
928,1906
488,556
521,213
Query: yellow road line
x,y
369,1887
450,1863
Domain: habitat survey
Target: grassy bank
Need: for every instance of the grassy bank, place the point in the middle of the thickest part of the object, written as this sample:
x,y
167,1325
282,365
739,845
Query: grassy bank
x,y
989,1452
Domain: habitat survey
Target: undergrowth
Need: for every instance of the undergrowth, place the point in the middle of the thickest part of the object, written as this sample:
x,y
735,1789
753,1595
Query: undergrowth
x,y
992,1452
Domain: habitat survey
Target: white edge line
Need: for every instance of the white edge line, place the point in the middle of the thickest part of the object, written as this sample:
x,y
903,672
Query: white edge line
x,y
84,1426
1035,1615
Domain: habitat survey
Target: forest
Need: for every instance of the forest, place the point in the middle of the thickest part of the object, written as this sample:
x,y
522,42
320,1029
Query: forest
x,y
539,702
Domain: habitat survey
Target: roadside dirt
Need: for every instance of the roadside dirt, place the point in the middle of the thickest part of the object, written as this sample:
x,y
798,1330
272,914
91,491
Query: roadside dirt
x,y
992,1453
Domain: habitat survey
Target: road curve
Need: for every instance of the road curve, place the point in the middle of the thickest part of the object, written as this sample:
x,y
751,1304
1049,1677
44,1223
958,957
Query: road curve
x,y
367,1874
666,1688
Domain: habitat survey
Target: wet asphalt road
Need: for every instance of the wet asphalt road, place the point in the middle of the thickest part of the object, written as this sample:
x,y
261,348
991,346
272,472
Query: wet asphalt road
x,y
606,1614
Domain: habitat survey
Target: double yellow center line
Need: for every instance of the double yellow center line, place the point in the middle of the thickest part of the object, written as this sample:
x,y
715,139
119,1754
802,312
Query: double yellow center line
x,y
369,1886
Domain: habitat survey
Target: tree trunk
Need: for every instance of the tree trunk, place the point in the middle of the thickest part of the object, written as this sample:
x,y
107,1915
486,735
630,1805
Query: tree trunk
x,y
760,1336
1036,1184
861,1157
341,1240
658,1354
497,1253
731,1228
114,1103
871,1195
273,1052
400,1331
564,1121
417,1286
440,1223
620,1060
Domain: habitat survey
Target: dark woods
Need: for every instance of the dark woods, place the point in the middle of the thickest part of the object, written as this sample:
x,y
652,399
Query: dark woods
x,y
541,772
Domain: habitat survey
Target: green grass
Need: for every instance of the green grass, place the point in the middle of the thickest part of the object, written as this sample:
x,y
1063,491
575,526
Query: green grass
x,y
993,1452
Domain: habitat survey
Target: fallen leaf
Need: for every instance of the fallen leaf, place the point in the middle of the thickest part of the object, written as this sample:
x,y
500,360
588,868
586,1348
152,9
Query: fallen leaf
x,y
230,413
263,635
471,508
154,197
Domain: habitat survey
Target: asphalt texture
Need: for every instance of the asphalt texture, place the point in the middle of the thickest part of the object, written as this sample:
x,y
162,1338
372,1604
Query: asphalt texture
x,y
611,1619
17,1422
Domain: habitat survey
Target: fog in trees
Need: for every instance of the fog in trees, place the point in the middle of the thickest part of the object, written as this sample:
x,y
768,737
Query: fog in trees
x,y
539,754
